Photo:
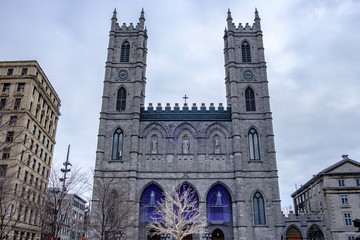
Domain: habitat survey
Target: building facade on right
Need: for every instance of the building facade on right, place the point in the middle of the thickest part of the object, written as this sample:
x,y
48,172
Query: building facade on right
x,y
333,195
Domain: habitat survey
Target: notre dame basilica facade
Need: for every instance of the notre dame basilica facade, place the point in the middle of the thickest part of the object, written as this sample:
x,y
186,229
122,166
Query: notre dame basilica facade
x,y
226,154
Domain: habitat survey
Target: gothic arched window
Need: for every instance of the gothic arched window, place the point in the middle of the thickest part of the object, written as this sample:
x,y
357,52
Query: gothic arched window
x,y
125,52
259,209
250,99
254,147
111,204
150,198
218,204
315,232
245,51
121,100
117,146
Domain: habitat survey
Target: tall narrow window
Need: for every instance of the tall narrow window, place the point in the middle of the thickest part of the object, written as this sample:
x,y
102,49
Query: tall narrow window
x,y
121,100
250,99
259,209
117,145
254,145
125,52
245,51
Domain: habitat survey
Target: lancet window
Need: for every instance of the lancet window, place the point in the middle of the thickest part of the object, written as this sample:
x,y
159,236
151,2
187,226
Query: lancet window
x,y
254,148
245,51
125,52
121,100
117,146
259,209
250,100
150,198
218,204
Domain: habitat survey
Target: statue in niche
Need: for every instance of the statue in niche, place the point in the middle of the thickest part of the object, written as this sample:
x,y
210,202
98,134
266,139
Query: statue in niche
x,y
152,198
216,145
218,199
185,145
154,146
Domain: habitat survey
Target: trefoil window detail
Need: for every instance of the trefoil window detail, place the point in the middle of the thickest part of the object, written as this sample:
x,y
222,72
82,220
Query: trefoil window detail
x,y
117,146
259,209
254,144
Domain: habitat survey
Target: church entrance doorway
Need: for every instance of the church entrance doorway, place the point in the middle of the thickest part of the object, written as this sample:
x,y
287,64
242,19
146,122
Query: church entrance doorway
x,y
293,234
150,236
188,237
217,234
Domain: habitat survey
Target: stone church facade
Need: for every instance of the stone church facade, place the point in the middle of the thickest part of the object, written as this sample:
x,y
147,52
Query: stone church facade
x,y
225,154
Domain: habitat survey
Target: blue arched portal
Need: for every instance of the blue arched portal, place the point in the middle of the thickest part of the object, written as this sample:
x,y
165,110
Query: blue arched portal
x,y
150,198
218,204
185,188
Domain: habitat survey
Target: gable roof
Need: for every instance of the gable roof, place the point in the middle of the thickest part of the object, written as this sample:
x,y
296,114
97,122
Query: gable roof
x,y
343,165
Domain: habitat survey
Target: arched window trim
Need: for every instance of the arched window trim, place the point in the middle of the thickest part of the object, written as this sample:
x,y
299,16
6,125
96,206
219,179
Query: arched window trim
x,y
250,100
117,145
246,51
148,203
125,52
121,100
254,147
219,210
259,209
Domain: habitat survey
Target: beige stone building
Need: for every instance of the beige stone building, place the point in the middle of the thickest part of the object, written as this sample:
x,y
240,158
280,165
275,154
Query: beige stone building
x,y
333,195
29,113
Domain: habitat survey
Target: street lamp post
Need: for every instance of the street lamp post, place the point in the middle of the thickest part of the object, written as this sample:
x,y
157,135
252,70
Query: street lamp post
x,y
206,235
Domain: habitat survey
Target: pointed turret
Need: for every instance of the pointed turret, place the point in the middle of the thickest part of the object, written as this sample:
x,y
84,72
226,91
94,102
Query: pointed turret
x,y
229,20
257,20
142,19
114,21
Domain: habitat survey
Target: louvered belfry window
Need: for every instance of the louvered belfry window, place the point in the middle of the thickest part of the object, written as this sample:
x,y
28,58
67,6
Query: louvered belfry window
x,y
245,51
125,52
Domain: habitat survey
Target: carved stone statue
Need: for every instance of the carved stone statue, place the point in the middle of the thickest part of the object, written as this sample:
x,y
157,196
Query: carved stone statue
x,y
217,145
154,146
185,145
218,199
152,198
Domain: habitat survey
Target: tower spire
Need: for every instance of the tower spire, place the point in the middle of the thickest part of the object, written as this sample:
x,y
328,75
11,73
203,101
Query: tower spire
x,y
257,20
114,20
142,19
229,20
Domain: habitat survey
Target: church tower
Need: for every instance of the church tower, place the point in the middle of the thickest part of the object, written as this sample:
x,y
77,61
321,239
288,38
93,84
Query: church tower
x,y
225,154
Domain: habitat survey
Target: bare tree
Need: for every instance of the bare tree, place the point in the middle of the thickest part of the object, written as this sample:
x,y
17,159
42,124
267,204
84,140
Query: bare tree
x,y
178,215
113,211
57,207
10,200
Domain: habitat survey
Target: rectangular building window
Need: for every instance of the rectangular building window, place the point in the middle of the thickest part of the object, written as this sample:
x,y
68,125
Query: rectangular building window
x,y
351,237
24,71
13,120
341,182
314,190
347,218
21,87
2,104
6,87
321,203
10,72
17,104
10,136
358,182
344,199
31,144
318,186
3,169
6,153
26,176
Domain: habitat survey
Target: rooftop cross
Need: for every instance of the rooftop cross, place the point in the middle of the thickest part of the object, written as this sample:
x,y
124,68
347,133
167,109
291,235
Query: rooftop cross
x,y
185,98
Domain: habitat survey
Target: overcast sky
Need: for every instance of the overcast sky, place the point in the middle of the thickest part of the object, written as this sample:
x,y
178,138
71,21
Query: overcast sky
x,y
311,49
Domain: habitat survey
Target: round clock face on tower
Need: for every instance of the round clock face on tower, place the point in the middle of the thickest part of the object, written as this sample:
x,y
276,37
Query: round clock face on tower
x,y
123,74
248,74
